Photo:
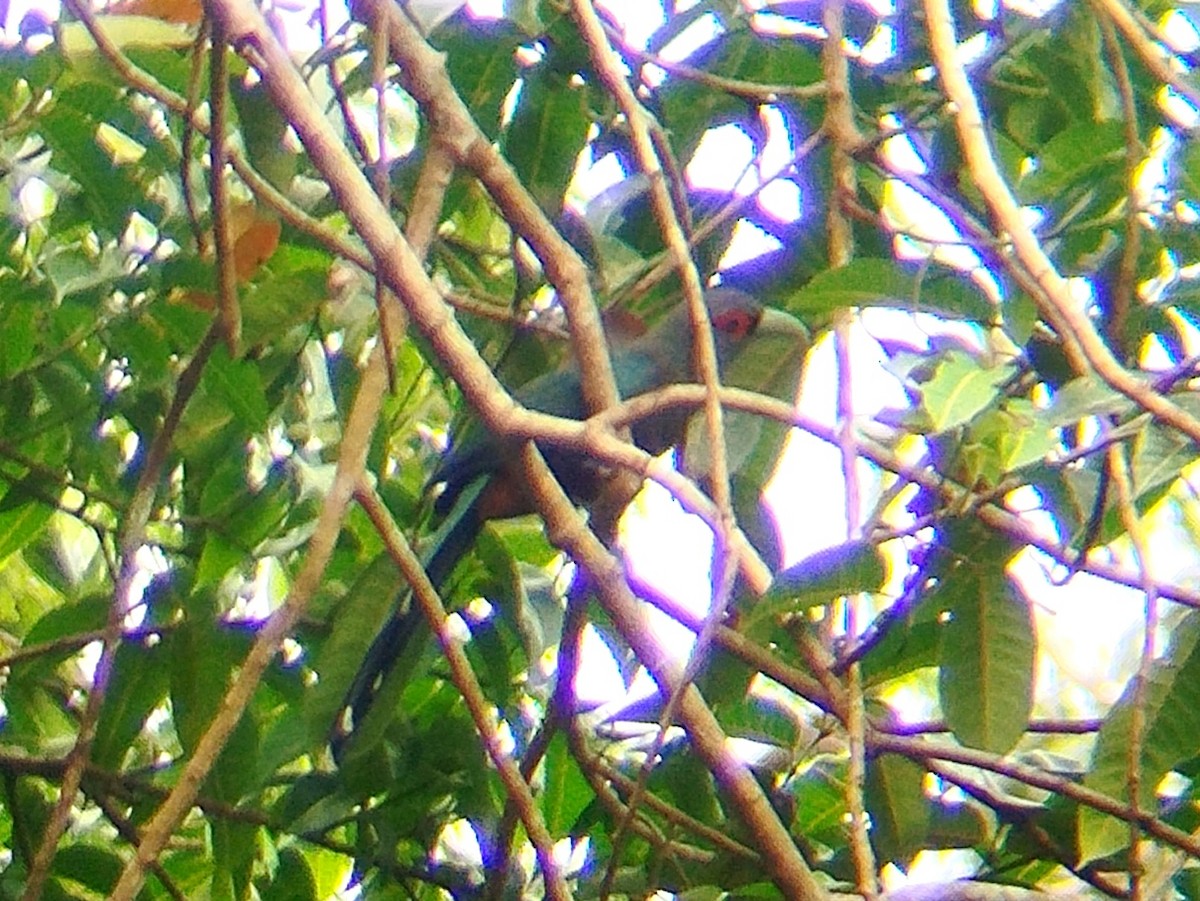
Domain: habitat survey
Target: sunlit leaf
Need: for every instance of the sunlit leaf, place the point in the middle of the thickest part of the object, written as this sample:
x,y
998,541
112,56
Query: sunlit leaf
x,y
961,387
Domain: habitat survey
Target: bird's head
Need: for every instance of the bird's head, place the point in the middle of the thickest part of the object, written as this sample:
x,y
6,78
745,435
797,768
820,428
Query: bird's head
x,y
738,317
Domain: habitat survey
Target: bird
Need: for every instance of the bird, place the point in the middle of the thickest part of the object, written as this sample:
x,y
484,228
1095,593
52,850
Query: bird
x,y
481,475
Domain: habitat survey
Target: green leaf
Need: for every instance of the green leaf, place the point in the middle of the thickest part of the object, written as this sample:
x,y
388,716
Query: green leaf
x,y
218,557
139,684
895,799
108,191
38,721
691,786
869,282
1085,396
19,316
960,388
287,291
237,385
234,849
203,660
819,802
84,616
1158,458
1074,154
911,641
546,135
567,793
1004,439
690,109
845,569
1172,725
987,658
22,518
293,880
480,62
96,867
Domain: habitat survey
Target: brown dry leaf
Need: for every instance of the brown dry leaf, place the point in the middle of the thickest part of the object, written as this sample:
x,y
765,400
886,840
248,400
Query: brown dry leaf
x,y
255,238
185,12
254,245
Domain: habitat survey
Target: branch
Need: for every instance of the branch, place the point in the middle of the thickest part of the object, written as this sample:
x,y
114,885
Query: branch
x,y
921,750
842,132
463,676
610,68
1153,55
1125,285
1053,297
423,73
1019,817
229,310
597,775
566,529
860,842
990,513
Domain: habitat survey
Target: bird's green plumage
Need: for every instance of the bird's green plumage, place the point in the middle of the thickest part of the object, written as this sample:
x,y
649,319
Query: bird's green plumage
x,y
660,357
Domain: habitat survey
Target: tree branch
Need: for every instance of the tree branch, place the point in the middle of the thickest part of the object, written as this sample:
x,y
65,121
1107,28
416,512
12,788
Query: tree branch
x,y
463,676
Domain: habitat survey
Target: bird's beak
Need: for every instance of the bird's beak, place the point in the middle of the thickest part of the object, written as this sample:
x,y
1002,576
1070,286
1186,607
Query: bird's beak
x,y
777,323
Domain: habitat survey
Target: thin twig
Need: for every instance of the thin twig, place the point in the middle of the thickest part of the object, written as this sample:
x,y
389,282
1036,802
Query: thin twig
x,y
381,179
75,642
593,771
1050,727
866,881
230,310
191,106
922,750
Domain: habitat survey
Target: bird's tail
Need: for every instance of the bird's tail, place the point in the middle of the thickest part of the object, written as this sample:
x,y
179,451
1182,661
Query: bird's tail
x,y
396,650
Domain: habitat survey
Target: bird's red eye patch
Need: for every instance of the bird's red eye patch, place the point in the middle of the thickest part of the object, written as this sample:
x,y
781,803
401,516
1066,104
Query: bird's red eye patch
x,y
735,323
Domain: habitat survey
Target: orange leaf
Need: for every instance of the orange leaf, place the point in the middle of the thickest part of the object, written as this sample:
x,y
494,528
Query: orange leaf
x,y
185,12
253,246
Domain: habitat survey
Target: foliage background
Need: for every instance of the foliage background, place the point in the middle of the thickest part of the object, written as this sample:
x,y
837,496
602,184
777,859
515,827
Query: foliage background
x,y
217,397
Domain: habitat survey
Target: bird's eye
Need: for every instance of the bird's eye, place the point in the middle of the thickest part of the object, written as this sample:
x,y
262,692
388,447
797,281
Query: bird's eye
x,y
735,323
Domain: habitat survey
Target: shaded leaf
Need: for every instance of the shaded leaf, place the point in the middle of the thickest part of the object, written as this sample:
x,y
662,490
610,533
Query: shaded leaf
x,y
896,801
869,282
987,658
1171,734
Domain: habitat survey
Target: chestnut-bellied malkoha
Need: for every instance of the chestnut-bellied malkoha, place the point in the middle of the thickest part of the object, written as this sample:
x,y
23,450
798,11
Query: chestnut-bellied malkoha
x,y
482,473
